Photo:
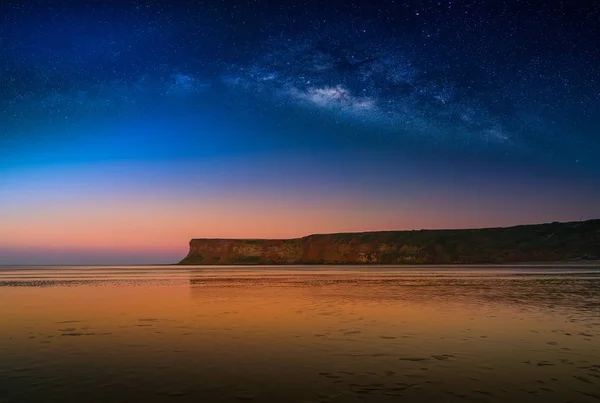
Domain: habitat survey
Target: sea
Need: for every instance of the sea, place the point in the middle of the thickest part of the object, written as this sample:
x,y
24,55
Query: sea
x,y
524,333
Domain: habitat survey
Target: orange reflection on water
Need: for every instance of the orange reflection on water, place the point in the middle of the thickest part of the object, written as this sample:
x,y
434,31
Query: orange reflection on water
x,y
299,335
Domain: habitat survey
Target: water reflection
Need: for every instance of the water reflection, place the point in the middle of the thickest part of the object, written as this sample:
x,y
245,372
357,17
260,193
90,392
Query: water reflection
x,y
303,335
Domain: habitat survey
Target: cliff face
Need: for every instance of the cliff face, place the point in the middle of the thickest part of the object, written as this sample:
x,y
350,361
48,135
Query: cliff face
x,y
526,243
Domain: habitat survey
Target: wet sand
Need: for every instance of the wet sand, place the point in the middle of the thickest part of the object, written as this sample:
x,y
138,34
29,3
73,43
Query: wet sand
x,y
334,334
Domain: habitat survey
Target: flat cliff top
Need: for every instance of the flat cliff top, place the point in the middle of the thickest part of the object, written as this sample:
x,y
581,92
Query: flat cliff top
x,y
526,228
555,241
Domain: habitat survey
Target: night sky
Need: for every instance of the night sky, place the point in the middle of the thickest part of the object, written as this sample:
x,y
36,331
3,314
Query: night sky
x,y
129,127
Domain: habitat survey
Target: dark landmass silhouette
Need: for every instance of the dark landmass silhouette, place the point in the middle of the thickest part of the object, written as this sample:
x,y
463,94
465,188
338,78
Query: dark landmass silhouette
x,y
525,243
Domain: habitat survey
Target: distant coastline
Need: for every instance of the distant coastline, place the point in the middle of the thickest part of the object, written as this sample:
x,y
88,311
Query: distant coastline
x,y
577,241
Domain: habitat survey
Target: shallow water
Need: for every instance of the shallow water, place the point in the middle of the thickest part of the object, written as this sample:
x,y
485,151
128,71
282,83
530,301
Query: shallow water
x,y
300,334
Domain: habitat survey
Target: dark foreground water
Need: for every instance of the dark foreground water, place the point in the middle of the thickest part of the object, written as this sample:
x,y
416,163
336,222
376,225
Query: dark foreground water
x,y
170,334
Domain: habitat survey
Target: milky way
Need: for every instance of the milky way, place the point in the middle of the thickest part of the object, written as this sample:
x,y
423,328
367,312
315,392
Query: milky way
x,y
457,74
381,83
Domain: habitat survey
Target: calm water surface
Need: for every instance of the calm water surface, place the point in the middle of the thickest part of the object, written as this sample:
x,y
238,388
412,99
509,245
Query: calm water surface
x,y
301,334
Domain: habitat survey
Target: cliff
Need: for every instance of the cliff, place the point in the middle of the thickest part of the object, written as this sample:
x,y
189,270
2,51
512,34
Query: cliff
x,y
525,243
